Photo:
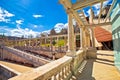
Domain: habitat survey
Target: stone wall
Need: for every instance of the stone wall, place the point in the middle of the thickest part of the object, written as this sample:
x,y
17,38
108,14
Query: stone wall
x,y
115,18
11,54
6,73
6,55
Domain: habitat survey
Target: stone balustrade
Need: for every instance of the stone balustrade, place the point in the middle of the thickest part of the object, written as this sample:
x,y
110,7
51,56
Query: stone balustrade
x,y
62,49
78,59
36,61
7,72
44,52
61,69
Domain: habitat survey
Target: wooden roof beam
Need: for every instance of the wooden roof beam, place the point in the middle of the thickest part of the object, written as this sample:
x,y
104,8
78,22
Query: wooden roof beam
x,y
82,4
84,16
100,12
108,14
67,3
100,24
68,6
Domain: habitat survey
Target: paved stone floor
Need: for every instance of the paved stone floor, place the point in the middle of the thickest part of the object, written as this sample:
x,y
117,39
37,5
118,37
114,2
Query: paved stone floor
x,y
100,69
17,67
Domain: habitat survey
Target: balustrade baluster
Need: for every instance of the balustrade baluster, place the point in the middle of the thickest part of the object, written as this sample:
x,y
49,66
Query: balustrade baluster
x,y
69,69
66,70
62,73
55,77
59,75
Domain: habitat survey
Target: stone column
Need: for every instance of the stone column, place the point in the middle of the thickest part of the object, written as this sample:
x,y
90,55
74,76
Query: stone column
x,y
57,38
41,41
51,43
93,37
29,42
87,38
91,16
92,28
71,36
81,38
45,39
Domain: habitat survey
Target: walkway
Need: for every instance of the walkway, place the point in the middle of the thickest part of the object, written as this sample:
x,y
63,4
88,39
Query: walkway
x,y
17,67
100,69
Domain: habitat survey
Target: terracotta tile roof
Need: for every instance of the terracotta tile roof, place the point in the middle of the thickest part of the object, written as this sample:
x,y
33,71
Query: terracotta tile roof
x,y
102,35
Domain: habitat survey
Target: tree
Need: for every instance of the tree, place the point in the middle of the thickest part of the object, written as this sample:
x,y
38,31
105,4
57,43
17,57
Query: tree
x,y
52,32
60,43
43,34
63,31
53,42
30,36
22,36
38,36
76,29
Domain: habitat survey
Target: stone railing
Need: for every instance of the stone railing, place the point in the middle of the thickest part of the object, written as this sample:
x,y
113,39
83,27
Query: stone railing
x,y
7,72
61,69
56,70
34,59
62,49
78,59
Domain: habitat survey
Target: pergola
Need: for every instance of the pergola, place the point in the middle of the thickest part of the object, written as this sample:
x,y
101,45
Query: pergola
x,y
75,11
68,66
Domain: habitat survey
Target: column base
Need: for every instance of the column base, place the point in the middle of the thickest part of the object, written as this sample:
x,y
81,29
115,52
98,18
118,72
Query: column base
x,y
91,53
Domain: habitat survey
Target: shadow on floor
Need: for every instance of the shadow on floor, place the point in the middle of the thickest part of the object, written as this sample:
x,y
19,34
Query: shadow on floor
x,y
106,60
87,71
104,54
103,62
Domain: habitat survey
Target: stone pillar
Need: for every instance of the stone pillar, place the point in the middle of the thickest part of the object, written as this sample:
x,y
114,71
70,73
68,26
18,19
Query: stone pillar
x,y
91,52
81,38
92,28
41,41
57,39
87,38
28,43
91,16
71,36
45,40
93,37
51,43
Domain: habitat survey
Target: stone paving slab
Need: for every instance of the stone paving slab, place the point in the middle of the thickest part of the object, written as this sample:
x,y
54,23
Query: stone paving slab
x,y
17,67
100,69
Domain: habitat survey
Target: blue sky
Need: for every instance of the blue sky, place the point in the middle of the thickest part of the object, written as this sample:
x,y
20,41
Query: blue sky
x,y
30,17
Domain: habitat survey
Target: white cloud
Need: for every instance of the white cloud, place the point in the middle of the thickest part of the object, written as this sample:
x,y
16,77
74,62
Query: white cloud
x,y
5,15
19,21
97,6
45,32
35,26
85,13
18,31
28,32
59,26
37,16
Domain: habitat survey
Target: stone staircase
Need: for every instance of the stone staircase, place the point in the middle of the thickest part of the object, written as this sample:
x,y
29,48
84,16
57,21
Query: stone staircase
x,y
37,61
